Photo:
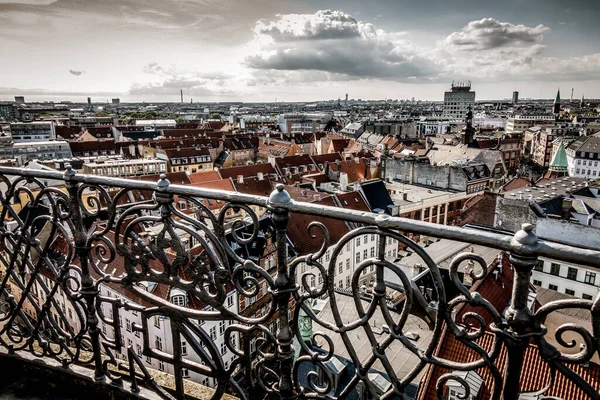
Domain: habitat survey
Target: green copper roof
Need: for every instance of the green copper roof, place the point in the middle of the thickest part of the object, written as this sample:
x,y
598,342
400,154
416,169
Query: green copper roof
x,y
557,101
559,161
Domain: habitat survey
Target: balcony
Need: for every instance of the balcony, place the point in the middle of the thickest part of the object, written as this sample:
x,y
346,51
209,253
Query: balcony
x,y
88,277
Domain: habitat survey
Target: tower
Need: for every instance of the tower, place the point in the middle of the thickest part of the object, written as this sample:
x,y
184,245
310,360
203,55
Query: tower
x,y
182,95
556,107
558,165
469,130
515,97
89,104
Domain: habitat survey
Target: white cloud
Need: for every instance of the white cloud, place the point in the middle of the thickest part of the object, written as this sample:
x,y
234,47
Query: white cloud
x,y
489,33
29,2
332,45
336,43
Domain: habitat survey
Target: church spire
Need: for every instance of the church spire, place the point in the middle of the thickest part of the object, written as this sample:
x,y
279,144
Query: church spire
x,y
556,108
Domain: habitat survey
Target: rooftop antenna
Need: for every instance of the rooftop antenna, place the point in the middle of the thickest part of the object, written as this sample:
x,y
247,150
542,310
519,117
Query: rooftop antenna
x,y
572,90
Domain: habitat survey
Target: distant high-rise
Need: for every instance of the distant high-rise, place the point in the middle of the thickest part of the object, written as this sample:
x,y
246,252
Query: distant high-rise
x,y
515,98
116,102
20,99
556,106
89,104
459,100
182,95
346,99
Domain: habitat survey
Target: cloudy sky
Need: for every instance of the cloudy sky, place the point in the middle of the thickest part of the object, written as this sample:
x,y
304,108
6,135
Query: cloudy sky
x,y
296,50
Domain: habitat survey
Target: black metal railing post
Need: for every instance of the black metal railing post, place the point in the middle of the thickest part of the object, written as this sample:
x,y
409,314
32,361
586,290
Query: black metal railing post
x,y
523,256
283,290
89,291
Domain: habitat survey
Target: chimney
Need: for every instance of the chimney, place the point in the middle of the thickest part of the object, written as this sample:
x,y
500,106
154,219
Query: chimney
x,y
260,176
356,160
240,178
567,204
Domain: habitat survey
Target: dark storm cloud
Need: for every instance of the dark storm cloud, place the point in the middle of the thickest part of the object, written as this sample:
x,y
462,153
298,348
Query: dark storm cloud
x,y
489,33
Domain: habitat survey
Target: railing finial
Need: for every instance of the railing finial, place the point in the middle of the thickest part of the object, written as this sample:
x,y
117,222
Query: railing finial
x,y
163,182
69,172
279,196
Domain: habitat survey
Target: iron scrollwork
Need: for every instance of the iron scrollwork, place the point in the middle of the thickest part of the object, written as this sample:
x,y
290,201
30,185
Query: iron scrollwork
x,y
92,272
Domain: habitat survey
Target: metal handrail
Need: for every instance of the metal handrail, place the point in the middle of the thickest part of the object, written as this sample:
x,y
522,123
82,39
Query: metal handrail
x,y
500,241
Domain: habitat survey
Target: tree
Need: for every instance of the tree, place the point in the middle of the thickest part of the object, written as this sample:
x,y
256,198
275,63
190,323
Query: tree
x,y
214,116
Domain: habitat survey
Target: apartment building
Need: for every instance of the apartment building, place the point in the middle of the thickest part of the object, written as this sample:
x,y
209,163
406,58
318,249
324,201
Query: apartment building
x,y
125,168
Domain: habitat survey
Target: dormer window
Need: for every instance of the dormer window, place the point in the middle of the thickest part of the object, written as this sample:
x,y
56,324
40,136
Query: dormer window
x,y
178,300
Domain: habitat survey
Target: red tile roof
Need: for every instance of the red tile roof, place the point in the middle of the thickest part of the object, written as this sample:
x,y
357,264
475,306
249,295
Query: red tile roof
x,y
535,373
514,184
252,185
353,201
176,178
298,229
206,176
246,170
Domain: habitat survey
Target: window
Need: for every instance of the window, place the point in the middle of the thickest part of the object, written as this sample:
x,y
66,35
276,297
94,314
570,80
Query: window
x,y
347,264
161,366
230,300
555,269
590,277
184,348
158,342
213,333
552,287
372,251
539,266
586,296
358,241
357,257
348,246
157,321
128,325
139,349
221,327
178,300
372,238
185,372
537,283
365,254
223,348
341,267
570,292
572,273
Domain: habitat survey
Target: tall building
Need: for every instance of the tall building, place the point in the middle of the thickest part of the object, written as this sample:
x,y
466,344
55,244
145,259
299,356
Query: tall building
x,y
116,102
556,106
458,101
20,99
515,98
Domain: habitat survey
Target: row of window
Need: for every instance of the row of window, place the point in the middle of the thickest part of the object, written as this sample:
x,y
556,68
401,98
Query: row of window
x,y
585,162
570,292
589,172
590,277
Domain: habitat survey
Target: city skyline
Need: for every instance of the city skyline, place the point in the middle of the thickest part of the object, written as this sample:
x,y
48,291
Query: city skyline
x,y
295,50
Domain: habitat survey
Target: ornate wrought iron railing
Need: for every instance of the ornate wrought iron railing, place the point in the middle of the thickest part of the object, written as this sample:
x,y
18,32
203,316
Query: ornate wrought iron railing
x,y
76,260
